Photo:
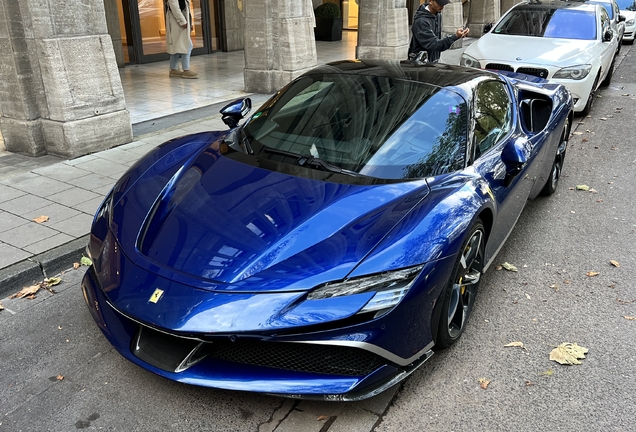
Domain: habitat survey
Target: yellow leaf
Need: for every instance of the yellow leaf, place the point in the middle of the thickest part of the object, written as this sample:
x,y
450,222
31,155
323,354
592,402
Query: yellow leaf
x,y
549,372
568,353
483,383
615,263
60,377
86,261
509,267
52,281
76,265
582,187
629,318
41,219
592,273
515,344
26,292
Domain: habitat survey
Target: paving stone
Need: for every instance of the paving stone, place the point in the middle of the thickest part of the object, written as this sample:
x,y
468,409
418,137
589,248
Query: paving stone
x,y
10,255
27,234
76,226
92,181
48,243
119,156
8,193
24,205
103,167
9,221
62,172
91,206
56,213
41,186
73,197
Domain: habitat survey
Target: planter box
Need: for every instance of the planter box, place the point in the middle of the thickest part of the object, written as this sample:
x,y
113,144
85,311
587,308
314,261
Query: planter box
x,y
328,29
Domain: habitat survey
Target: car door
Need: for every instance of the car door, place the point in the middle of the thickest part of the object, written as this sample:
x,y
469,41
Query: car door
x,y
609,47
494,127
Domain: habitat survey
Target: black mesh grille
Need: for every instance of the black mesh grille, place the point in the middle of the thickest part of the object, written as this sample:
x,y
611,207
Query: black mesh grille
x,y
540,72
499,66
302,357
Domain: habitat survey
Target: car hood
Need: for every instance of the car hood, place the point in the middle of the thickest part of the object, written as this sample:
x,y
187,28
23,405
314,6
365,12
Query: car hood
x,y
231,225
533,50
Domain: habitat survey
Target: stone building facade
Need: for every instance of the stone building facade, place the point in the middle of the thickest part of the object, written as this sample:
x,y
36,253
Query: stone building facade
x,y
60,90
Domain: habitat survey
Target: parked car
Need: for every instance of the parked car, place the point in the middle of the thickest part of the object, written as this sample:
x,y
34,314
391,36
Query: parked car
x,y
326,245
617,19
571,43
628,10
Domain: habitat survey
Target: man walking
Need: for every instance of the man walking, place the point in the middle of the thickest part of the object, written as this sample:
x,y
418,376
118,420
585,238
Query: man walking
x,y
427,31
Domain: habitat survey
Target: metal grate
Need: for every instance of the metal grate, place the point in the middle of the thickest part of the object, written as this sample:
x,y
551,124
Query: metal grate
x,y
499,66
540,72
302,357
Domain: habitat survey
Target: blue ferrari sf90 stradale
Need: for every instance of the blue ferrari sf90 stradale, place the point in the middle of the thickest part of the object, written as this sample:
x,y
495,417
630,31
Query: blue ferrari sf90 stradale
x,y
325,246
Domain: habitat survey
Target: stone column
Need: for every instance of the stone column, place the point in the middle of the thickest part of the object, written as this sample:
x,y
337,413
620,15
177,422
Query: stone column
x,y
60,90
453,17
279,43
483,12
383,30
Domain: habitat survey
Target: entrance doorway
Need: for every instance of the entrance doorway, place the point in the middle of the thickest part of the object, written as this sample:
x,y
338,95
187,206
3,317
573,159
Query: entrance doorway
x,y
143,29
349,10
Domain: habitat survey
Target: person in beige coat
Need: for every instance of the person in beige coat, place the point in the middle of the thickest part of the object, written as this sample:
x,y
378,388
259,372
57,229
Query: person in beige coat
x,y
179,44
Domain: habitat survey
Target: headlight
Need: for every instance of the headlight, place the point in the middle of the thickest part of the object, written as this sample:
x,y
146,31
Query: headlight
x,y
389,287
469,61
574,72
630,22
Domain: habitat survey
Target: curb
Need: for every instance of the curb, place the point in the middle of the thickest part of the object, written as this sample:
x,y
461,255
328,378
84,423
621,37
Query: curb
x,y
35,269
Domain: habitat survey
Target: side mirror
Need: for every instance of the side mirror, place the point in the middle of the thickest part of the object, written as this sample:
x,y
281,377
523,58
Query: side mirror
x,y
235,111
515,155
621,18
607,36
487,28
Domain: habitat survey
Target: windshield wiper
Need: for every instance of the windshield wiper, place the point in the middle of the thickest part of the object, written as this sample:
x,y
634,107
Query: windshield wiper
x,y
308,160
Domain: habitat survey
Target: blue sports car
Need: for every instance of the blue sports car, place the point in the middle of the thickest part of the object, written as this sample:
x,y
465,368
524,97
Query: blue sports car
x,y
325,246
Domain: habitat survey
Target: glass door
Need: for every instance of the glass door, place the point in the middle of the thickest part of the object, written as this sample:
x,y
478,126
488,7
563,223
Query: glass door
x,y
143,28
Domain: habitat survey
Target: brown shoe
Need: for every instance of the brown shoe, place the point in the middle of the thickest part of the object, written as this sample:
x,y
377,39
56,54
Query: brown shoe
x,y
175,73
188,74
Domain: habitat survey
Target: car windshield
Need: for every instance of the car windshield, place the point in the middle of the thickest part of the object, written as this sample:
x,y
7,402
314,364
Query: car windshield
x,y
629,5
607,6
563,23
367,125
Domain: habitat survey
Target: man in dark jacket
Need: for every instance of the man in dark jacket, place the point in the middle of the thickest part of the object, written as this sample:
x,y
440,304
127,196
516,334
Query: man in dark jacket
x,y
427,31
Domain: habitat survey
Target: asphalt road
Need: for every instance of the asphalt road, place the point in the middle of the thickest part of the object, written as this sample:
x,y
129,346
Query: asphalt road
x,y
550,300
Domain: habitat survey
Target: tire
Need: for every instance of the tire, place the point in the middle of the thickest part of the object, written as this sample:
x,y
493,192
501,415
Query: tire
x,y
458,297
591,97
555,172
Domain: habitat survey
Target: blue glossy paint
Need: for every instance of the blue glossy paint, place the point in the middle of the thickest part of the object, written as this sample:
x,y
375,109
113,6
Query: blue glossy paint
x,y
235,246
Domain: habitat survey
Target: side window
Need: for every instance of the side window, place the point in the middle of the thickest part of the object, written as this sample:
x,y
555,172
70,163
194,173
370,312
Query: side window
x,y
493,114
605,21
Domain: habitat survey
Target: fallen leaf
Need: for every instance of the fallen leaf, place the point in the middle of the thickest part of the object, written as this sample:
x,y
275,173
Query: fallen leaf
x,y
592,190
498,267
615,263
629,318
554,287
59,327
603,118
1,306
528,296
483,383
592,273
549,372
578,133
52,281
582,187
41,219
76,265
529,383
624,302
509,267
515,344
322,417
26,292
86,261
584,140
60,377
568,353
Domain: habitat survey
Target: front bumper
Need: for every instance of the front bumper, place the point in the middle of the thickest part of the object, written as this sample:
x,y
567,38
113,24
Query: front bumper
x,y
327,365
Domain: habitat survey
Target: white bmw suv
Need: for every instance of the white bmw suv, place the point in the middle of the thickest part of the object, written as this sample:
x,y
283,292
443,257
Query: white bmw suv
x,y
572,43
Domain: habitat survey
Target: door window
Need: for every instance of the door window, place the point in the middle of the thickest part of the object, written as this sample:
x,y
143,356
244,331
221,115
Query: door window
x,y
493,114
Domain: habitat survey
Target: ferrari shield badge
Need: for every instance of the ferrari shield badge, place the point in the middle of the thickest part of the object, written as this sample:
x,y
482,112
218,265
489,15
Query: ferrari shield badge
x,y
154,298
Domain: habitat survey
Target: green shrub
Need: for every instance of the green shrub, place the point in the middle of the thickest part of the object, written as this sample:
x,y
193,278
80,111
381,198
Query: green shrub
x,y
327,10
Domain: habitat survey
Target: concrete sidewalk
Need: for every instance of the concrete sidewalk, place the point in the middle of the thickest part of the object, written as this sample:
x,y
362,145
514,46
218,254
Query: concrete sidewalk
x,y
68,192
